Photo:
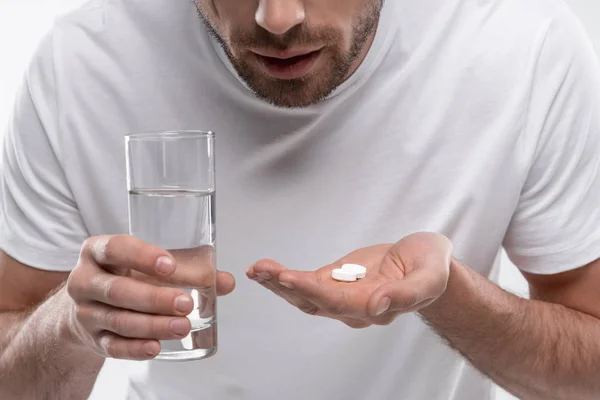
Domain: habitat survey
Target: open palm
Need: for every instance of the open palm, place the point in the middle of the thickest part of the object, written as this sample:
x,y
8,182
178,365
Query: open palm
x,y
401,277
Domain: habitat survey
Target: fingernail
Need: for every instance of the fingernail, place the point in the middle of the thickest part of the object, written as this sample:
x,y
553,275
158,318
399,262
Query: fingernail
x,y
384,305
264,275
165,265
183,304
151,348
180,327
287,285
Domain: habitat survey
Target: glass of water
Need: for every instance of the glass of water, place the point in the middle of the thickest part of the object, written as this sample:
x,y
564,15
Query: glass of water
x,y
171,184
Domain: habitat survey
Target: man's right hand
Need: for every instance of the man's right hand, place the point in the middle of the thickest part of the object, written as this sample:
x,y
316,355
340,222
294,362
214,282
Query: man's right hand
x,y
121,304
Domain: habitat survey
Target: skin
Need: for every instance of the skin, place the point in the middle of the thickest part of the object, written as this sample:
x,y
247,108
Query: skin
x,y
116,303
344,29
56,329
391,278
543,348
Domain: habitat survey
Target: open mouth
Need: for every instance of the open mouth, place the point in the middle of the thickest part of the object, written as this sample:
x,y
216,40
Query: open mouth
x,y
289,68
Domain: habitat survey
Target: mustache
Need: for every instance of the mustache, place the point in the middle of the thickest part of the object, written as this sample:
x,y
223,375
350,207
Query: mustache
x,y
298,36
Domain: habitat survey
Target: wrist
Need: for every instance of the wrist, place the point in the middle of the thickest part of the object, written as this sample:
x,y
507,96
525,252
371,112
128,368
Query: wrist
x,y
458,290
66,328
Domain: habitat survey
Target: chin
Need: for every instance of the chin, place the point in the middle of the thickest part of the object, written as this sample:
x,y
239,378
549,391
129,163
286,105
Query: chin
x,y
289,95
295,93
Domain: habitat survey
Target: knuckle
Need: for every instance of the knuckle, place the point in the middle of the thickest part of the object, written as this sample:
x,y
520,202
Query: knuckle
x,y
72,288
111,290
88,244
79,268
81,262
113,321
112,348
82,313
79,312
105,248
108,345
75,284
86,316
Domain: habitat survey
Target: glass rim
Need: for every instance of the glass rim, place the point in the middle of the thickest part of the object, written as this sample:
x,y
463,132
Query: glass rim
x,y
171,134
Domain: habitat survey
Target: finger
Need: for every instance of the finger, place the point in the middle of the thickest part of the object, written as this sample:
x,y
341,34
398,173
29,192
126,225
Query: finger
x,y
266,272
195,269
99,317
416,289
127,252
130,294
356,323
293,299
333,297
225,283
117,347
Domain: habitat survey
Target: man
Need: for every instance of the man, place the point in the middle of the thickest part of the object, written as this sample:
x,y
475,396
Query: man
x,y
415,138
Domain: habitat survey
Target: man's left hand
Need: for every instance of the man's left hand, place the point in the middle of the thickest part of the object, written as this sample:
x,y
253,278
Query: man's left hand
x,y
401,278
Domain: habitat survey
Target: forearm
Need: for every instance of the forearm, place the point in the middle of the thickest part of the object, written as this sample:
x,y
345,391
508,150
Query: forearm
x,y
535,350
39,357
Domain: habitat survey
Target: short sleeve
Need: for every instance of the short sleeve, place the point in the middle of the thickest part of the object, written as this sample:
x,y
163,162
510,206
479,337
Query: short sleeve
x,y
556,226
40,224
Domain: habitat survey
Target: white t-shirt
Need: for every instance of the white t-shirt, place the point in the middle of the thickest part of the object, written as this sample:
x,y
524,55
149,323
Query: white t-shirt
x,y
479,119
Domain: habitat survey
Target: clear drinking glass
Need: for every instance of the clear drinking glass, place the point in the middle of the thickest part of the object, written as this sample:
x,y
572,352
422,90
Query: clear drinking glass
x,y
171,184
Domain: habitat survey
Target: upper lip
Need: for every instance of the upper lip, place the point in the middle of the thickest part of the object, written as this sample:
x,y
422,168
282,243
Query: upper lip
x,y
283,55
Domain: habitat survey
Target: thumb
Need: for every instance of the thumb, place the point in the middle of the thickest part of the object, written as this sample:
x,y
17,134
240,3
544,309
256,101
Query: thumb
x,y
408,294
425,282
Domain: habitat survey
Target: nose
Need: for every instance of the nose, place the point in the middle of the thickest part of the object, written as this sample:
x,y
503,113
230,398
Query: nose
x,y
279,16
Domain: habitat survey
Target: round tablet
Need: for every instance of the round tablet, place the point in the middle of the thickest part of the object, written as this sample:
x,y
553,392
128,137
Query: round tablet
x,y
359,270
342,275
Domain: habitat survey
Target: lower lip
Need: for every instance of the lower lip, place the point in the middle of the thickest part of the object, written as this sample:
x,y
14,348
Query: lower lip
x,y
293,69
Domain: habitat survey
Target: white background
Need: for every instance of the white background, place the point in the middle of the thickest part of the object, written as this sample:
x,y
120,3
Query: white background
x,y
23,22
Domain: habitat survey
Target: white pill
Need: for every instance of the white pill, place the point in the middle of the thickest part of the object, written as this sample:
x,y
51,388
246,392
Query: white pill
x,y
342,275
359,270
